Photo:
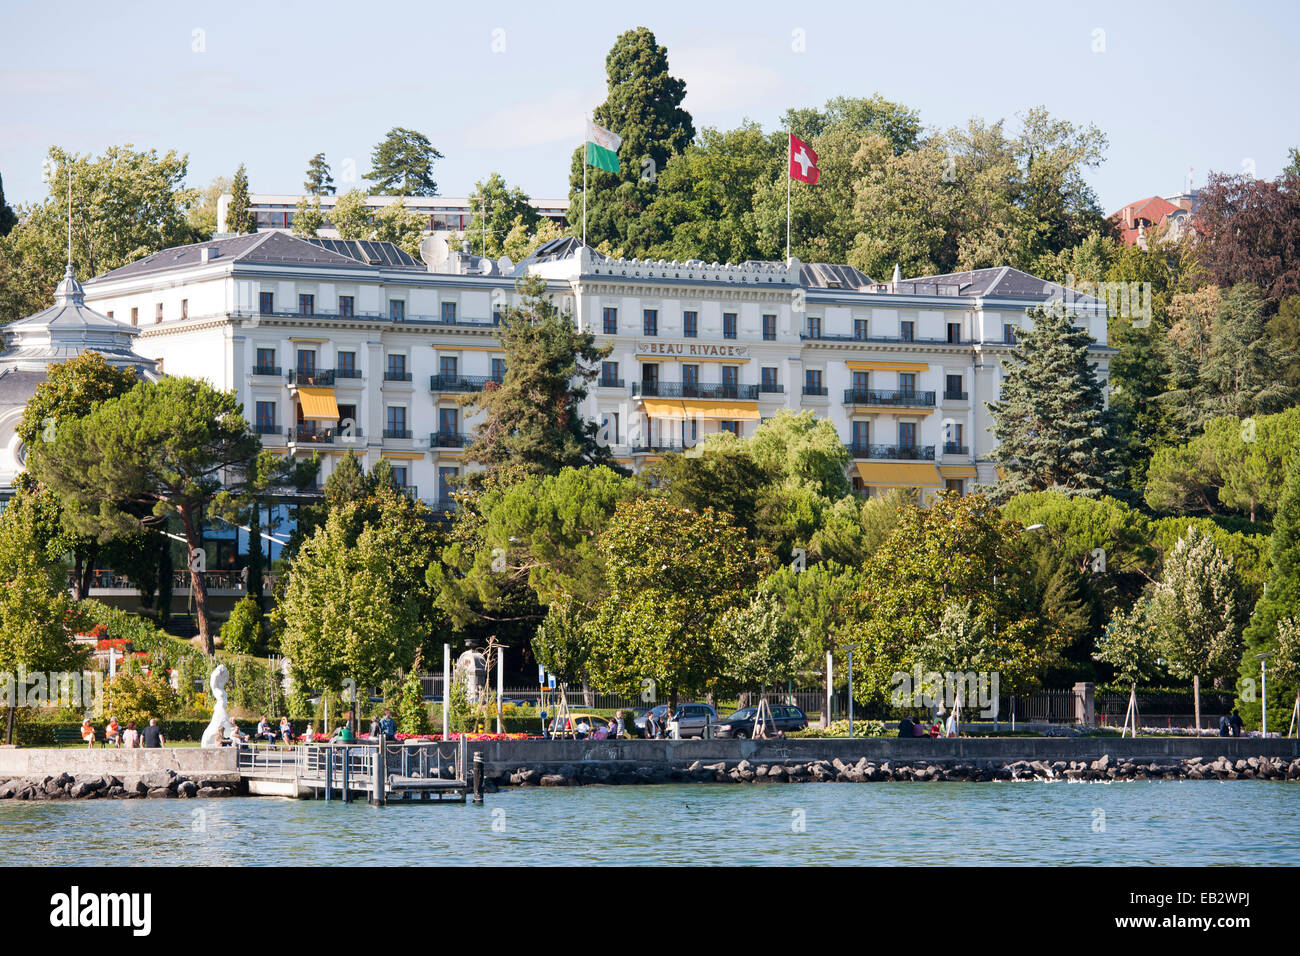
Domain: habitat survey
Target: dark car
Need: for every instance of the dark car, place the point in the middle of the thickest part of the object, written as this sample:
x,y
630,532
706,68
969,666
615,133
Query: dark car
x,y
786,717
691,719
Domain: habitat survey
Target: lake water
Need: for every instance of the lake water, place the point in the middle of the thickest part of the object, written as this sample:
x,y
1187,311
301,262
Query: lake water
x,y
1188,823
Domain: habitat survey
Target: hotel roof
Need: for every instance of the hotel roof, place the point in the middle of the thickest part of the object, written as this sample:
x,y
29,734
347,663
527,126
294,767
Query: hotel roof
x,y
276,248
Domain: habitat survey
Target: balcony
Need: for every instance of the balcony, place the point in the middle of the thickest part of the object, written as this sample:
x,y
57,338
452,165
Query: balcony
x,y
659,449
610,383
953,448
267,370
442,439
311,377
266,428
307,433
397,433
396,375
818,390
347,373
411,491
902,452
748,393
888,397
461,383
951,396
770,388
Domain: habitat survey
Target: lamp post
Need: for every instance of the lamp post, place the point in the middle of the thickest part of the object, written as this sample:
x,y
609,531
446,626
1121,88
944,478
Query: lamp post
x,y
1263,693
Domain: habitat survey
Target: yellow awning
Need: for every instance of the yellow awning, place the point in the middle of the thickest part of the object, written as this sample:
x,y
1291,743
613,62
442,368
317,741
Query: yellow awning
x,y
957,471
899,474
700,408
318,404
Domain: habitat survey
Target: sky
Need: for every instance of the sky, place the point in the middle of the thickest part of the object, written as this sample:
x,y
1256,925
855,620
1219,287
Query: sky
x,y
501,87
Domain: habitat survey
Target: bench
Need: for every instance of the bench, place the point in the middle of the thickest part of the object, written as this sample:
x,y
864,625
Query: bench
x,y
69,735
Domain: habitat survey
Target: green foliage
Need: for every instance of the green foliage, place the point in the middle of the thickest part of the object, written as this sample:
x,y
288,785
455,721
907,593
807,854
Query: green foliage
x,y
760,641
816,602
351,217
243,632
8,218
506,209
402,164
1050,423
135,695
308,218
1131,644
319,181
239,217
413,712
401,226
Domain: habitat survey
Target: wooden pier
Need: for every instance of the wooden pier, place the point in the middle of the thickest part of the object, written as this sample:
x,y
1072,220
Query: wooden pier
x,y
407,772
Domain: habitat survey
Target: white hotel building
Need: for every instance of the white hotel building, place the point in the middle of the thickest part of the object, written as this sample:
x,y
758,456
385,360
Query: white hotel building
x,y
335,346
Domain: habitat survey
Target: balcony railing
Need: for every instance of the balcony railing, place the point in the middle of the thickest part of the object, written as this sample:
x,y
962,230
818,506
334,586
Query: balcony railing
x,y
407,319
953,448
267,370
955,396
894,397
815,390
307,433
347,372
311,376
461,383
660,448
266,428
747,393
442,439
397,433
904,452
395,375
610,383
411,491
770,388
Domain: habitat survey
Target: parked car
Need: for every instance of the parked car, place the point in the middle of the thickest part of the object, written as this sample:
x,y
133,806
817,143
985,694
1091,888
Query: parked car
x,y
691,719
786,717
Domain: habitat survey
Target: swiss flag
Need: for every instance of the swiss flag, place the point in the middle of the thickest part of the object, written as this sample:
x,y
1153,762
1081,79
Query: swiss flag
x,y
803,161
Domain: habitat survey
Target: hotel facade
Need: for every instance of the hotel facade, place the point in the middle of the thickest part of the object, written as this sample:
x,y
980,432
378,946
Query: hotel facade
x,y
335,346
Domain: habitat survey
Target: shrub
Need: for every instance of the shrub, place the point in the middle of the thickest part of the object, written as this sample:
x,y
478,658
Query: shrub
x,y
243,632
135,695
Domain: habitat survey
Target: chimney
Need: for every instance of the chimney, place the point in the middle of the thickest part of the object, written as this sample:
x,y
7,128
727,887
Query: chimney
x,y
204,254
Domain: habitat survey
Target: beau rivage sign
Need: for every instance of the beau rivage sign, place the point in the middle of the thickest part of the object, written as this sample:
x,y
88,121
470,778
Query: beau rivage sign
x,y
694,350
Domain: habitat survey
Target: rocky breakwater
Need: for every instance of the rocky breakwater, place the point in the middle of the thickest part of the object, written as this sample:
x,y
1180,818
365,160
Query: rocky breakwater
x,y
867,771
157,784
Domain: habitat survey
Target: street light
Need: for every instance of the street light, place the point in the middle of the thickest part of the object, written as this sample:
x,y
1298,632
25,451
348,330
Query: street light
x,y
1263,693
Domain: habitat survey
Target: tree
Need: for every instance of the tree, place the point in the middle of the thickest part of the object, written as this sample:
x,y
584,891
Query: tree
x,y
1131,644
505,208
412,710
401,226
202,216
1284,330
1243,371
1281,600
161,450
1200,611
243,631
1050,422
853,528
351,217
671,574
1249,231
37,619
239,218
533,417
319,180
521,241
402,164
126,205
872,116
135,694
8,218
73,389
816,602
760,640
307,217
643,106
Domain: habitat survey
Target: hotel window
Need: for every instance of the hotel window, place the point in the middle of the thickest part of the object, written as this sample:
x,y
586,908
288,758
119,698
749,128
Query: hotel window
x,y
157,313
907,434
729,425
952,387
449,312
306,305
728,325
650,321
399,476
769,380
955,485
860,327
650,378
348,413
185,309
610,318
952,438
861,382
609,374
446,480
1009,334
396,371
346,363
397,310
307,362
731,380
395,422
346,306
812,382
907,330
265,362
691,324
135,316
265,417
861,435
110,313
498,370
266,302
769,328
814,327
448,421
448,367
954,332
907,382
690,379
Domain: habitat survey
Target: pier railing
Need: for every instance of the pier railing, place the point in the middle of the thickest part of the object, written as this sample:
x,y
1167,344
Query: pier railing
x,y
381,770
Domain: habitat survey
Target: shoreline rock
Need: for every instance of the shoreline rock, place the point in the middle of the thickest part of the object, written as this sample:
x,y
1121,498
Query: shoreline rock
x,y
159,784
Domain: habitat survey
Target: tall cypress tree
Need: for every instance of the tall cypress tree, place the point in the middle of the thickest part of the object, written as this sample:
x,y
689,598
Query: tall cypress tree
x,y
1281,601
239,218
1052,428
644,107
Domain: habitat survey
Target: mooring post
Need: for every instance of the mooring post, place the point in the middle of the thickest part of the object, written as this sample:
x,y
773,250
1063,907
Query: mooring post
x,y
329,772
478,776
381,768
347,792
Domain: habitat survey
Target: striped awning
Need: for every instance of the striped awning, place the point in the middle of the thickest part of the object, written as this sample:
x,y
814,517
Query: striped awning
x,y
957,471
318,404
700,408
899,474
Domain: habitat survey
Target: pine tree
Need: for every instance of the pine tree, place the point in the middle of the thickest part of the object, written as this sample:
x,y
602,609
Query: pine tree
x,y
319,182
239,218
402,165
8,218
644,107
533,419
1281,601
1244,369
1051,425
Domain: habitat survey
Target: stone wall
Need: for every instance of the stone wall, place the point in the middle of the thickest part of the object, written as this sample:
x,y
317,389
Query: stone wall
x,y
116,761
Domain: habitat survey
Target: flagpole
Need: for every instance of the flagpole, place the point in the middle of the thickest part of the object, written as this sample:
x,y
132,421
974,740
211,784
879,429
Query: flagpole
x,y
584,194
788,159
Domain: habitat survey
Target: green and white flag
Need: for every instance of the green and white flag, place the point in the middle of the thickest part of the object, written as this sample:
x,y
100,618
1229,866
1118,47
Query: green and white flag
x,y
602,148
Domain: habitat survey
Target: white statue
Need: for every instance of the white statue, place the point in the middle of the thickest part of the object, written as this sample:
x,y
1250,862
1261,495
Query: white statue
x,y
221,725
